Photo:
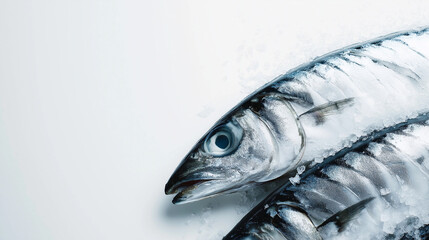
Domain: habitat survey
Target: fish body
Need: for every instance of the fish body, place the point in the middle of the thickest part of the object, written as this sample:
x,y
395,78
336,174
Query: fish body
x,y
364,191
309,114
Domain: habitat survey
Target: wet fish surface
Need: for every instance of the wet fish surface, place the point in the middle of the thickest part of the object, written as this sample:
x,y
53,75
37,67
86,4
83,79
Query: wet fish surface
x,y
376,189
309,114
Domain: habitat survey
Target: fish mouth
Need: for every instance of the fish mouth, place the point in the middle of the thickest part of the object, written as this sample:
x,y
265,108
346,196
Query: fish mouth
x,y
183,186
187,190
194,190
192,182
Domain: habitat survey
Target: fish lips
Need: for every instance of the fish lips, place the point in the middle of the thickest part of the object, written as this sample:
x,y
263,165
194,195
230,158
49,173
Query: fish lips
x,y
189,191
194,187
174,186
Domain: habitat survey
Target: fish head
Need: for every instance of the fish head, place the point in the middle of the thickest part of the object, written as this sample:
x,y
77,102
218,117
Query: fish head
x,y
253,143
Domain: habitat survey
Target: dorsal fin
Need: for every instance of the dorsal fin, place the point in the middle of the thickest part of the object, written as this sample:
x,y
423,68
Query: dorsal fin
x,y
321,111
343,217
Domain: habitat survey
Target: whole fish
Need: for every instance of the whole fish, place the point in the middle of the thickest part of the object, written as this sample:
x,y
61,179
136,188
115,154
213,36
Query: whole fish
x,y
308,114
365,191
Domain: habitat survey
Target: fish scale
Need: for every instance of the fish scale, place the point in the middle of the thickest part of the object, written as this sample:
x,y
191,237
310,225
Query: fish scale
x,y
384,168
353,180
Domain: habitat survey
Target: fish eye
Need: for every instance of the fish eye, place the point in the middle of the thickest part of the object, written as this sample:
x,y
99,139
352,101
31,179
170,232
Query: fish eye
x,y
223,139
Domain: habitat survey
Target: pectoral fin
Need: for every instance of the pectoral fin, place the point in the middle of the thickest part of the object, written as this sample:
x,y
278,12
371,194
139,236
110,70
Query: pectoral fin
x,y
342,218
320,112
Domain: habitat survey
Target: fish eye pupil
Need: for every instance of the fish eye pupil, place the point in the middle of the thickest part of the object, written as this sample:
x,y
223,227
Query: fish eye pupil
x,y
222,141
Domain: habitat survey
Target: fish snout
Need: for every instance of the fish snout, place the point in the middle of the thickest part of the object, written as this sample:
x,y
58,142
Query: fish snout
x,y
181,175
189,173
196,179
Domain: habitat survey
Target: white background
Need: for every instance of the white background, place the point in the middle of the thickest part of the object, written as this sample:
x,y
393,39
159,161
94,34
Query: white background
x,y
101,99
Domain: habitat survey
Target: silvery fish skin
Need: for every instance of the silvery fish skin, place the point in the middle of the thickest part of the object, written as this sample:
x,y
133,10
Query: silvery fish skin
x,y
308,114
363,192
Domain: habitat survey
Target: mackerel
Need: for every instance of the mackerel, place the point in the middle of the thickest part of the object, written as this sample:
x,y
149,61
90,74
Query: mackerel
x,y
364,191
309,114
